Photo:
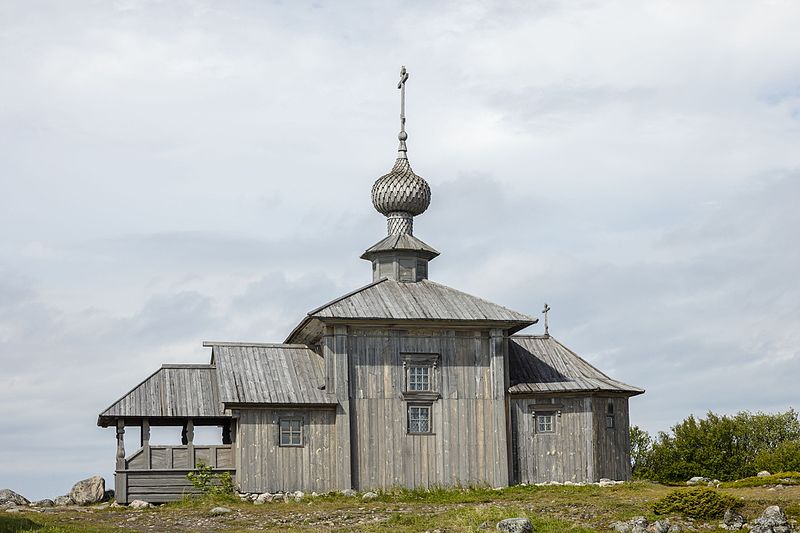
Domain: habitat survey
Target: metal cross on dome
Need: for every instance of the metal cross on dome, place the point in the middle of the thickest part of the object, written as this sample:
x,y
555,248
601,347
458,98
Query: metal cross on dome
x,y
546,324
402,86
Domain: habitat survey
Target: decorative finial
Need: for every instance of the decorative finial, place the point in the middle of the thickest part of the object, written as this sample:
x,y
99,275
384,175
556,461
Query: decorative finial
x,y
546,324
402,135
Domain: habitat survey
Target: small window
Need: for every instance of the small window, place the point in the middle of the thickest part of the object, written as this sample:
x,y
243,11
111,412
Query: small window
x,y
419,378
545,423
610,416
406,270
291,432
422,270
419,419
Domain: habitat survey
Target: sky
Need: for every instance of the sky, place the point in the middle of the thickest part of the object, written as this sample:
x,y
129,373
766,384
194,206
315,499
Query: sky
x,y
180,171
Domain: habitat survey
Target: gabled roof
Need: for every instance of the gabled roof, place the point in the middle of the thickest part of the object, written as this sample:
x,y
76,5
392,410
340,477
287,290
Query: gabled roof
x,y
542,364
400,242
274,374
172,391
421,300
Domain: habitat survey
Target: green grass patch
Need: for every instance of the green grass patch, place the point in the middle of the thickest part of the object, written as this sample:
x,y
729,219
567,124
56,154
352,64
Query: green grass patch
x,y
782,478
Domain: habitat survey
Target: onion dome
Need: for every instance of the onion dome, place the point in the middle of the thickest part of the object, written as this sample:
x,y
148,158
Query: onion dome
x,y
401,190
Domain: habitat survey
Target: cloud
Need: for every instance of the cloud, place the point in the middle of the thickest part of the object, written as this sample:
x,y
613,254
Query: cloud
x,y
183,171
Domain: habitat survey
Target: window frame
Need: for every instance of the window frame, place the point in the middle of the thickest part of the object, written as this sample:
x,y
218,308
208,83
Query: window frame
x,y
421,378
421,360
429,408
551,415
611,422
300,433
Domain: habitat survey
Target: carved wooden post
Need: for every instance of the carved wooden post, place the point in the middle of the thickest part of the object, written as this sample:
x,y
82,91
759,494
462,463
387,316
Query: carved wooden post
x,y
120,477
145,442
190,443
120,444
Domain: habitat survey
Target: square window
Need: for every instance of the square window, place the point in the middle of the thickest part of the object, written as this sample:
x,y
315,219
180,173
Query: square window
x,y
610,421
291,432
419,378
419,419
545,424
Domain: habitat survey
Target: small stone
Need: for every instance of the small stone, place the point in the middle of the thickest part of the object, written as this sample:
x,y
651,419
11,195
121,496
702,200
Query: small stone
x,y
139,504
763,473
732,520
314,494
698,480
515,525
298,495
350,493
772,520
117,504
369,496
9,497
218,511
659,526
86,491
261,499
62,501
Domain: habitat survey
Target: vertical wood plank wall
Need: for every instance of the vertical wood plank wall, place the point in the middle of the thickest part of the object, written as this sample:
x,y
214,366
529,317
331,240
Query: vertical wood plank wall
x,y
581,449
468,444
613,445
264,466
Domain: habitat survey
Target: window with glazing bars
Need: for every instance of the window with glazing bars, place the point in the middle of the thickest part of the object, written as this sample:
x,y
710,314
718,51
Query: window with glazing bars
x,y
419,419
419,378
544,424
291,432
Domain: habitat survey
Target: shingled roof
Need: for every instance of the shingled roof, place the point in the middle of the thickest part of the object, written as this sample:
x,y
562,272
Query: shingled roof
x,y
426,300
540,364
276,374
172,391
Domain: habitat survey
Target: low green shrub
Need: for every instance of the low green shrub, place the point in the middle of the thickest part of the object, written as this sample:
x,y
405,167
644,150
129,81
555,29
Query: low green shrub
x,y
696,503
210,484
782,478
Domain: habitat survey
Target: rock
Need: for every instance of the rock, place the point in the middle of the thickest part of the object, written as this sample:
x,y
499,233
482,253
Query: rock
x,y
47,502
261,499
772,520
606,483
714,483
763,473
697,480
117,504
350,493
9,497
61,501
638,524
515,525
659,526
139,504
369,496
620,527
108,495
86,491
298,495
219,511
732,520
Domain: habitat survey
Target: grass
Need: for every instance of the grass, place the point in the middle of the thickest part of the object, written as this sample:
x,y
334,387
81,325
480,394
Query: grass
x,y
551,509
781,478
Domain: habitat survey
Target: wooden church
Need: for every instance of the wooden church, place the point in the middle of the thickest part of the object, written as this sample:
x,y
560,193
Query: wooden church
x,y
403,382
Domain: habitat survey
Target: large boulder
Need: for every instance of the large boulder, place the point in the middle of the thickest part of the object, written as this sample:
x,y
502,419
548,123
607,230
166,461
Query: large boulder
x,y
8,497
88,491
772,520
515,525
62,501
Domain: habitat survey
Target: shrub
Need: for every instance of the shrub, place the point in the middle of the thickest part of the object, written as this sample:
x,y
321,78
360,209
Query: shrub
x,y
721,447
210,484
696,503
784,458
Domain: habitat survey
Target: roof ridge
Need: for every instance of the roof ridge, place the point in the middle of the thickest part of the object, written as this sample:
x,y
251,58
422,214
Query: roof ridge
x,y
349,294
211,344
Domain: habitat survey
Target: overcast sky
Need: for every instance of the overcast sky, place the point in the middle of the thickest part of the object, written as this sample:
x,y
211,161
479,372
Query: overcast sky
x,y
173,172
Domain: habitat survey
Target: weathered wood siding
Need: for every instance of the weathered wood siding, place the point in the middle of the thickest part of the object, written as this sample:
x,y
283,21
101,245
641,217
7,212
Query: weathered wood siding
x,y
159,486
564,455
264,466
469,442
612,444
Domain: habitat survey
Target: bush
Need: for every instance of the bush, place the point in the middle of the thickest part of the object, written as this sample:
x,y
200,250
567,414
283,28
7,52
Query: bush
x,y
721,447
784,458
210,484
696,503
